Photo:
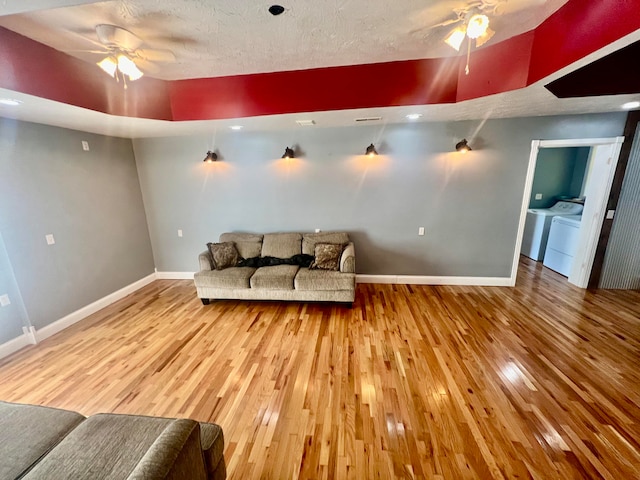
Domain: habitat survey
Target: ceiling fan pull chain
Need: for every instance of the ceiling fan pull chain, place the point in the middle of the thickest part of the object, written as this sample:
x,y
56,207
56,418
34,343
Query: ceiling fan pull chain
x,y
466,69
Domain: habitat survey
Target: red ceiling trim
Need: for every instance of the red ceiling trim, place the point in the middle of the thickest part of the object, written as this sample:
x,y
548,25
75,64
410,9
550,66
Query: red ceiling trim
x,y
572,32
412,82
577,29
497,68
33,68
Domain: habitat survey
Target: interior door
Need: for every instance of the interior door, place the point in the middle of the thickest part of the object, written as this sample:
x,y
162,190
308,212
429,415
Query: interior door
x,y
602,167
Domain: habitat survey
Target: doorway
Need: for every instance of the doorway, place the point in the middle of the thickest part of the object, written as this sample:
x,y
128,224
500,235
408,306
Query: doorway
x,y
603,158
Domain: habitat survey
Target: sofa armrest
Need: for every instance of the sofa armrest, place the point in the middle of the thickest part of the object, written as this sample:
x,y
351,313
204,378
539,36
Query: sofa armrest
x,y
205,261
348,259
175,454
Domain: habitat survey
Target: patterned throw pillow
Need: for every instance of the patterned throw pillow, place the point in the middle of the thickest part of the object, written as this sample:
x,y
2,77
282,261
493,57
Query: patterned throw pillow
x,y
224,255
327,256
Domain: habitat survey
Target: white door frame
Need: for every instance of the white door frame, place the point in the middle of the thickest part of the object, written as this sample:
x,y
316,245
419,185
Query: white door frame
x,y
579,277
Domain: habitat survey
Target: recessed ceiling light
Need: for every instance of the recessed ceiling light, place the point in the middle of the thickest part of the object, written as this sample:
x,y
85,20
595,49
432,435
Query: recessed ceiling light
x,y
630,105
236,127
10,101
414,116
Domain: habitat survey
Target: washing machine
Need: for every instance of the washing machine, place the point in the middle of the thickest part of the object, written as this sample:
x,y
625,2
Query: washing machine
x,y
562,245
538,224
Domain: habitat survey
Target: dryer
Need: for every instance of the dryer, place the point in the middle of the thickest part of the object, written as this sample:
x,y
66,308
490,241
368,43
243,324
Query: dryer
x,y
538,224
562,244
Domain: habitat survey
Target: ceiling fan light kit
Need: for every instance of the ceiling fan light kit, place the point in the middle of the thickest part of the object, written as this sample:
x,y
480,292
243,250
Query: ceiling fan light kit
x,y
455,38
122,50
475,26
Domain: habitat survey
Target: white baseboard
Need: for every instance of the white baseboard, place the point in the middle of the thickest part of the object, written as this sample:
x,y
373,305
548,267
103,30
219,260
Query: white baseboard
x,y
430,280
92,308
14,345
174,275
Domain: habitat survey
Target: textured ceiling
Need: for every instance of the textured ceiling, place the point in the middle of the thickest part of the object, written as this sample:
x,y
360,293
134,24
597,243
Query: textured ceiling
x,y
225,37
231,37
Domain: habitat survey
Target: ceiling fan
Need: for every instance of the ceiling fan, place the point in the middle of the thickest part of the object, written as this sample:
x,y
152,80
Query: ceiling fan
x,y
124,57
473,25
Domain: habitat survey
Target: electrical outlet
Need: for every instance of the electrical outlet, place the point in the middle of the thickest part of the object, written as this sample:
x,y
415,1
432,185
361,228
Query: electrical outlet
x,y
4,300
317,230
180,232
421,231
50,239
85,145
538,196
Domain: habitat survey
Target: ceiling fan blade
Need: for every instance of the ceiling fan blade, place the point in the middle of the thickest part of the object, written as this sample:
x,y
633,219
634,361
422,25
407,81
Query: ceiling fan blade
x,y
155,55
112,35
147,66
103,52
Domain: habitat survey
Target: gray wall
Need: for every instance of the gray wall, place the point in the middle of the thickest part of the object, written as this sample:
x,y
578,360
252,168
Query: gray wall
x,y
469,204
13,316
559,172
622,261
90,201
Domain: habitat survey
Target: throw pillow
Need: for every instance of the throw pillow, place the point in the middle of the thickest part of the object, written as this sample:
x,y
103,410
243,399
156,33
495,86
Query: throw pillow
x,y
224,255
327,256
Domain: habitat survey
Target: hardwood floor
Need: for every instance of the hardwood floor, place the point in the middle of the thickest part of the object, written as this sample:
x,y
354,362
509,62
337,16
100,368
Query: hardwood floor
x,y
538,381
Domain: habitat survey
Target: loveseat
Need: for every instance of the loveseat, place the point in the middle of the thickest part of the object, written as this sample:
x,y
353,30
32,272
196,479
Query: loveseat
x,y
48,443
280,266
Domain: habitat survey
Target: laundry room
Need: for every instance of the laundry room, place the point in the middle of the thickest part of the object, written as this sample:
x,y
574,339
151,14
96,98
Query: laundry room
x,y
552,226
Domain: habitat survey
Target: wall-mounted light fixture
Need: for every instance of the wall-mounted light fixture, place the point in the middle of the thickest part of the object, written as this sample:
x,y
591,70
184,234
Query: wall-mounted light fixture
x,y
371,151
462,146
288,153
211,157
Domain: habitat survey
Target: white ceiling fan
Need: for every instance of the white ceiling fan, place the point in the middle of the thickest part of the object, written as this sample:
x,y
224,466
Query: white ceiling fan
x,y
472,25
124,57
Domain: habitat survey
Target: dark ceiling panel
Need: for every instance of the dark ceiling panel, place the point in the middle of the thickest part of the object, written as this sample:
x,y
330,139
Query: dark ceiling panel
x,y
616,74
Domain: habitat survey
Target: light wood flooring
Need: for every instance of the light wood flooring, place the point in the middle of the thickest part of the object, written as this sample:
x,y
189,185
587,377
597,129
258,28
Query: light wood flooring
x,y
538,381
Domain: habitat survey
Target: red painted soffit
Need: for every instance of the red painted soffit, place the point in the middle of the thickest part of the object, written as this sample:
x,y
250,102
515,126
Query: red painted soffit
x,y
30,67
572,32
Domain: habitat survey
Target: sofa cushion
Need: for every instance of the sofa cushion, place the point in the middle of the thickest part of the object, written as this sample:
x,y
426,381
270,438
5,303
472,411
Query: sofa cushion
x,y
327,257
248,244
108,446
309,240
277,277
281,245
324,280
224,255
234,277
27,432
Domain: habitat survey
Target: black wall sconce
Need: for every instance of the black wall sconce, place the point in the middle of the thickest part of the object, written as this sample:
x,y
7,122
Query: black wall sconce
x,y
289,153
211,157
371,151
462,146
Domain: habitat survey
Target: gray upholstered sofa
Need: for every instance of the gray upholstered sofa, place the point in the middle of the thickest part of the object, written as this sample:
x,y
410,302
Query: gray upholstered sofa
x,y
48,443
279,282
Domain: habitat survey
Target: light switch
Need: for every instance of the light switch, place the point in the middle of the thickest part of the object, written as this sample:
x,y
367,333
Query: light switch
x,y
421,231
610,214
50,239
538,196
4,300
180,232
